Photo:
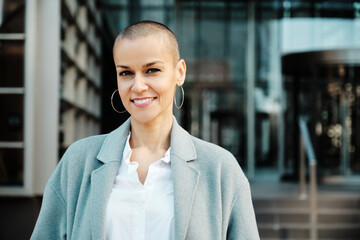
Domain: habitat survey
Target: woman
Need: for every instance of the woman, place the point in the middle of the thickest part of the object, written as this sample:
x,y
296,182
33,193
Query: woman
x,y
148,179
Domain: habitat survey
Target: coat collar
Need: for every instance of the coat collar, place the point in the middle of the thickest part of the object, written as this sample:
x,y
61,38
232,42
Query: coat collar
x,y
102,179
181,143
114,143
113,146
185,177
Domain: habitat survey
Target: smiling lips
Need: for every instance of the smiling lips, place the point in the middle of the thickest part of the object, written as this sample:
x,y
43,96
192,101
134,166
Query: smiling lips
x,y
143,102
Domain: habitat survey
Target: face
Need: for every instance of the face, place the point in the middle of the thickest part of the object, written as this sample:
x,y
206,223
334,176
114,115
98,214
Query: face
x,y
147,78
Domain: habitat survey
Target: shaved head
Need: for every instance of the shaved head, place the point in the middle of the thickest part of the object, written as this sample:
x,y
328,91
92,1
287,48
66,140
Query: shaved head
x,y
148,28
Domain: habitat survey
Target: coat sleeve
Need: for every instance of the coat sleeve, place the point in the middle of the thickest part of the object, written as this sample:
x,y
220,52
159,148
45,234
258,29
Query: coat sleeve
x,y
51,223
242,223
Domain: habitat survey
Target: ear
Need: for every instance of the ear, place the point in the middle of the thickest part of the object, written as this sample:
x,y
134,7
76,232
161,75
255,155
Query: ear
x,y
180,72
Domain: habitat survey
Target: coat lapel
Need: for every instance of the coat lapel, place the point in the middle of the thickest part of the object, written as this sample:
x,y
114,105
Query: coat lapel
x,y
185,177
101,184
102,178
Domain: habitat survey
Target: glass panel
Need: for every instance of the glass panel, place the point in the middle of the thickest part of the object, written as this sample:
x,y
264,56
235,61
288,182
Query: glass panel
x,y
328,119
152,3
303,26
157,15
11,117
336,118
12,13
11,167
214,107
117,2
268,92
291,144
118,20
186,34
11,63
213,40
327,94
354,102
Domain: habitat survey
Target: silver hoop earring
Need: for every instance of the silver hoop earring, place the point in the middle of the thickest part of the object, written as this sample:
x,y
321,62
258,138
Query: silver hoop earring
x,y
182,100
112,104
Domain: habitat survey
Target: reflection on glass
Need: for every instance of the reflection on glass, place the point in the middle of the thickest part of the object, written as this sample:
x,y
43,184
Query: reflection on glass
x,y
11,63
327,95
214,40
12,14
11,117
11,167
338,112
214,108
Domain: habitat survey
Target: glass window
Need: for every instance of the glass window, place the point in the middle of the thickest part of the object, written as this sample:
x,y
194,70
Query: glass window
x,y
157,14
11,167
11,117
214,41
153,3
214,106
11,63
327,93
335,117
12,13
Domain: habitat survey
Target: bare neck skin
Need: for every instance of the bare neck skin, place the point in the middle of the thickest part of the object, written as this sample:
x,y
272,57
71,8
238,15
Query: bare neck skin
x,y
149,142
152,136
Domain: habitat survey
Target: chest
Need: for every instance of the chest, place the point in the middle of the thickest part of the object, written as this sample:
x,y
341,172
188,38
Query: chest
x,y
145,160
141,211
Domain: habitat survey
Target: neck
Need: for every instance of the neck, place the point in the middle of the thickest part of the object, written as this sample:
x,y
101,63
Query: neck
x,y
153,136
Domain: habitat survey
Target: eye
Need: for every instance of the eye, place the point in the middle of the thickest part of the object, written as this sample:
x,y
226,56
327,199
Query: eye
x,y
153,70
125,73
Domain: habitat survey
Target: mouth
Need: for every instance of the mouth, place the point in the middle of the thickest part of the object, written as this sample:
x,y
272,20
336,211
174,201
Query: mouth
x,y
143,101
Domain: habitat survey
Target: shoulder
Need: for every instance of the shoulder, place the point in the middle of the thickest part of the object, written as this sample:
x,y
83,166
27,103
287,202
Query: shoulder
x,y
83,151
78,160
219,170
217,162
92,143
214,154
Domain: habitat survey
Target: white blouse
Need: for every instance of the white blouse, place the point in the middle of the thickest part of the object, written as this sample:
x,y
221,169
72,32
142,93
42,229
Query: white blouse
x,y
136,211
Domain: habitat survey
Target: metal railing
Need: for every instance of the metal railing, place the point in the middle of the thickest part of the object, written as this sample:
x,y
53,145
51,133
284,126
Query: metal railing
x,y
307,147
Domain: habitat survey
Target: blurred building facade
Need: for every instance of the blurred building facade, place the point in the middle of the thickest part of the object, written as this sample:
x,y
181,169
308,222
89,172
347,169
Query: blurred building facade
x,y
254,69
237,92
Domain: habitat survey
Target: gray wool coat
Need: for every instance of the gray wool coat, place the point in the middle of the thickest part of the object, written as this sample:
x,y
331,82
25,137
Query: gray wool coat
x,y
211,194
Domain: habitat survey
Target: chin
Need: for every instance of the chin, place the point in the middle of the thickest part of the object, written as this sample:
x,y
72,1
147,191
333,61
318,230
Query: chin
x,y
143,117
146,117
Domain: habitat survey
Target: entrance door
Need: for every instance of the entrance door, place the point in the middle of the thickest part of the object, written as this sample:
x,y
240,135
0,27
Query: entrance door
x,y
324,87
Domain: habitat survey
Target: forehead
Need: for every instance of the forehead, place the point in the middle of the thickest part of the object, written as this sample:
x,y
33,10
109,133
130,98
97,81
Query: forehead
x,y
159,37
156,46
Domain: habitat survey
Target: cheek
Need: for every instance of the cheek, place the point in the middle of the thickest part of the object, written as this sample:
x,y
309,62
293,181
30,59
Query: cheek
x,y
123,89
169,85
166,90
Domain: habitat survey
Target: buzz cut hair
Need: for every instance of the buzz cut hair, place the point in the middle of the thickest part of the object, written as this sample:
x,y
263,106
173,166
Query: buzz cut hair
x,y
146,28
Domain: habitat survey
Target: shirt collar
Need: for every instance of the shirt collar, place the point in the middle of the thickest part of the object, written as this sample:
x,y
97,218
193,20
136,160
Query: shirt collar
x,y
127,149
127,152
166,157
112,148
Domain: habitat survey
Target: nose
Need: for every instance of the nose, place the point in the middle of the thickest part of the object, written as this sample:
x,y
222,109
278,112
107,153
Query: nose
x,y
139,84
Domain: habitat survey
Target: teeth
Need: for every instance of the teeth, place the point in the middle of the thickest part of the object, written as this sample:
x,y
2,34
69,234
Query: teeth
x,y
142,101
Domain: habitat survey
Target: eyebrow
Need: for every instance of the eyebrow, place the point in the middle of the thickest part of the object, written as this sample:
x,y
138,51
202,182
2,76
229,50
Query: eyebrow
x,y
120,66
153,63
146,65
